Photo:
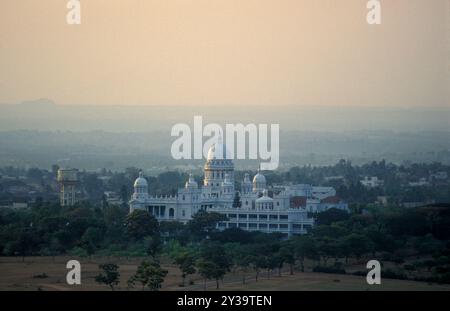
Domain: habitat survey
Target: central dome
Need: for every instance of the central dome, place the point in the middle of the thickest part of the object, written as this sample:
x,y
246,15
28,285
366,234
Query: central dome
x,y
219,151
218,164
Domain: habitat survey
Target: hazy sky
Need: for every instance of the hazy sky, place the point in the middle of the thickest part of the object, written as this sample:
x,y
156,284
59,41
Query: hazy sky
x,y
304,52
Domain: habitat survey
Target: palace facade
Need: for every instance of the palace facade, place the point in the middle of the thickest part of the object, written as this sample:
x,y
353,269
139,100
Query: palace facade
x,y
280,208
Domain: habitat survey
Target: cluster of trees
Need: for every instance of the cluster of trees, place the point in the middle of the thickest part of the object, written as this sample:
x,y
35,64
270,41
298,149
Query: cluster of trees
x,y
406,237
49,229
417,239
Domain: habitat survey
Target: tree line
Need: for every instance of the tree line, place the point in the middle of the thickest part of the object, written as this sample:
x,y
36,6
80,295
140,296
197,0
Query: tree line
x,y
417,240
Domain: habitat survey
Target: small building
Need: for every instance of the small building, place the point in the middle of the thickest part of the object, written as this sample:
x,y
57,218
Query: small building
x,y
372,182
423,182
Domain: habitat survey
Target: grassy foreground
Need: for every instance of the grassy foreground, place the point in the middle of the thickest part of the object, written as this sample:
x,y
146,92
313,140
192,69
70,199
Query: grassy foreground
x,y
47,273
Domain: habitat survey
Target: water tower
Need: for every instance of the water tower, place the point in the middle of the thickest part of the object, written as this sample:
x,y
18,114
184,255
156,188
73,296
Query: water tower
x,y
68,184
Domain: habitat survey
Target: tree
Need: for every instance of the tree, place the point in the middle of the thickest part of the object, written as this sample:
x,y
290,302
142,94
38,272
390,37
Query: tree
x,y
257,263
274,260
105,203
305,247
94,186
174,230
91,239
332,215
287,252
110,275
244,260
234,235
213,262
258,257
150,275
358,244
24,243
152,245
124,194
381,240
328,248
186,262
114,217
204,223
140,224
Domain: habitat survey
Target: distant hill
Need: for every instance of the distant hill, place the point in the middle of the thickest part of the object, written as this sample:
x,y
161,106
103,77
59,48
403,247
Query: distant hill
x,y
44,114
42,103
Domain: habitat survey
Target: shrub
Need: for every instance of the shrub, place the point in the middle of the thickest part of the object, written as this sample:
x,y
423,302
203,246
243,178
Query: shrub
x,y
442,260
78,252
392,258
442,269
394,274
326,269
409,267
444,278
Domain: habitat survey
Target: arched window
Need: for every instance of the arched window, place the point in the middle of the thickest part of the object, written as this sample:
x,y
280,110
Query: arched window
x,y
171,213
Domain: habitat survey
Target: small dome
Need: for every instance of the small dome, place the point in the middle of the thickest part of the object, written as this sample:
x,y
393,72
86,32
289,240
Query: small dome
x,y
259,178
191,183
140,181
265,198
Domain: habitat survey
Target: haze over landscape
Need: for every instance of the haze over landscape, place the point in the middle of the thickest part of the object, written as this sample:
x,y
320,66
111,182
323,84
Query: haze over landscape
x,y
41,133
114,86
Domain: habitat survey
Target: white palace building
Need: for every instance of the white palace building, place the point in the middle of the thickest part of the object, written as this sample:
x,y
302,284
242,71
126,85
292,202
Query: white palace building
x,y
278,209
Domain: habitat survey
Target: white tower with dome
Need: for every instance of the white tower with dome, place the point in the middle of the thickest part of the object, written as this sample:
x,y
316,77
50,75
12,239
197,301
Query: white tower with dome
x,y
218,166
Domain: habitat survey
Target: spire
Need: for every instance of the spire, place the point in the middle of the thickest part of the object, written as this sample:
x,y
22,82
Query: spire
x,y
191,183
